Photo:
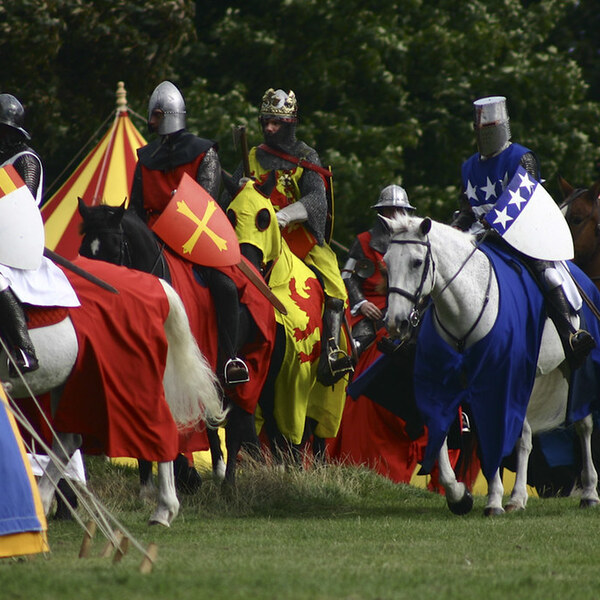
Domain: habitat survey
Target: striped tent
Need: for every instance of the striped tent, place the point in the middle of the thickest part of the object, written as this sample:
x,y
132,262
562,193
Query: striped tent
x,y
103,177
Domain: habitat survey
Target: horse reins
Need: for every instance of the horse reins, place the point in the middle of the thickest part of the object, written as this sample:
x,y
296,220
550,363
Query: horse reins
x,y
416,315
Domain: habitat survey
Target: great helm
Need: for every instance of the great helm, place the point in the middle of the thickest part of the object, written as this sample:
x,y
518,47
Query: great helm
x,y
12,113
167,98
492,126
393,196
276,104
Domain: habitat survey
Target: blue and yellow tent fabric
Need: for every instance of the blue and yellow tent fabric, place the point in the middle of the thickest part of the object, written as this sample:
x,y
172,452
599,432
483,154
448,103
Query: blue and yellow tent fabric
x,y
22,521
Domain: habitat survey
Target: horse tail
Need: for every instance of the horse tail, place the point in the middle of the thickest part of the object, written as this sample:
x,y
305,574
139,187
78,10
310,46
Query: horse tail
x,y
192,389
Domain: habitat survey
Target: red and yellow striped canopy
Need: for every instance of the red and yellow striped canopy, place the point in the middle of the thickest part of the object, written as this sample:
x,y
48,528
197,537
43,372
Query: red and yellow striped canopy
x,y
104,177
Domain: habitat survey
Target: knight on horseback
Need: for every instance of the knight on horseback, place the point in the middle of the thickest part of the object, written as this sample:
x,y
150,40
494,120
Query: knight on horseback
x,y
26,277
485,176
363,271
300,199
161,165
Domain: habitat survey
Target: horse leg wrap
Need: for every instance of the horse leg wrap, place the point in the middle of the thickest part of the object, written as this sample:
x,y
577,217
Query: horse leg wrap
x,y
334,363
15,334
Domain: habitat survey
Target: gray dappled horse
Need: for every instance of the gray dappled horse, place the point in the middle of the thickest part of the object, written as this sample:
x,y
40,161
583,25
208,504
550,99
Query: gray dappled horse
x,y
426,258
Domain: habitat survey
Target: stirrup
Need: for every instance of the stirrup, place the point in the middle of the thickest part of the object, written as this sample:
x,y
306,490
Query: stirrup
x,y
581,339
339,363
24,361
581,344
235,372
465,423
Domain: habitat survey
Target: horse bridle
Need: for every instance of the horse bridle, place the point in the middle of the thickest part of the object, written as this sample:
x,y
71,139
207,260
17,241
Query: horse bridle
x,y
124,254
417,298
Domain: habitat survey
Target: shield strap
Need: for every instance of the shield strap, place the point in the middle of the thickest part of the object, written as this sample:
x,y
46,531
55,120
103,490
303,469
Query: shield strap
x,y
325,173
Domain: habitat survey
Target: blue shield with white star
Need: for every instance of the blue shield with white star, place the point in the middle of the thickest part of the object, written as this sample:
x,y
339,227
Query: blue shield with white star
x,y
530,221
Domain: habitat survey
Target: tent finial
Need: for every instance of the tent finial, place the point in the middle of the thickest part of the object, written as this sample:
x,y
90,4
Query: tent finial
x,y
121,97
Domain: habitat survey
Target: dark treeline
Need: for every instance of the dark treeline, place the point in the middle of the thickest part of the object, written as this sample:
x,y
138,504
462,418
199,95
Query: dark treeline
x,y
384,87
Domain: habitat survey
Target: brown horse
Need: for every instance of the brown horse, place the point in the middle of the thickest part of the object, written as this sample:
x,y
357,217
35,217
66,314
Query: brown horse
x,y
582,212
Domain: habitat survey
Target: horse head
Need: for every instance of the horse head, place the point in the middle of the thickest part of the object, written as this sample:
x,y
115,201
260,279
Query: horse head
x,y
581,210
119,236
102,232
253,217
410,272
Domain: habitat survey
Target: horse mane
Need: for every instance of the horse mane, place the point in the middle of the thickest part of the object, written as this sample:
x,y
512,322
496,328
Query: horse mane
x,y
400,224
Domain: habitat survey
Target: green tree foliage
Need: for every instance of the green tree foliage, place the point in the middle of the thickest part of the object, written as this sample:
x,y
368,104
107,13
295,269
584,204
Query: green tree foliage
x,y
385,88
63,59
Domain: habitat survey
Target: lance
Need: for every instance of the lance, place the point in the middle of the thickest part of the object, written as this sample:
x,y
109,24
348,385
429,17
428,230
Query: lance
x,y
67,264
240,137
262,287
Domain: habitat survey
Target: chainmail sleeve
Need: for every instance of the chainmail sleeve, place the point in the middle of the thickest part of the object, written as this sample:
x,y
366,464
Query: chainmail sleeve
x,y
314,198
209,173
530,163
29,167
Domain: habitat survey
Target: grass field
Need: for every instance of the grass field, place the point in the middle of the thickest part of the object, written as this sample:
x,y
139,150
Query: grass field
x,y
332,532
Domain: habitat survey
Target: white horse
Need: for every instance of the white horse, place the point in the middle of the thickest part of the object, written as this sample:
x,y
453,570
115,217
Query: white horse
x,y
191,392
426,258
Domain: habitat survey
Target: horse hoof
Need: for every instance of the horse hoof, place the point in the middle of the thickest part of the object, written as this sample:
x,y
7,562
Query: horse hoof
x,y
492,511
513,508
587,503
463,506
161,518
156,521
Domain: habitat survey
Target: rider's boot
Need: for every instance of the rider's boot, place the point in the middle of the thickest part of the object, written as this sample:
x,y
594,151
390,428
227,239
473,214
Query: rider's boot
x,y
577,343
229,313
334,363
15,334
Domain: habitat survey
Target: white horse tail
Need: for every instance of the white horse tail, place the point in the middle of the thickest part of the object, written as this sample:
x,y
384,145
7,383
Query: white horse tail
x,y
192,389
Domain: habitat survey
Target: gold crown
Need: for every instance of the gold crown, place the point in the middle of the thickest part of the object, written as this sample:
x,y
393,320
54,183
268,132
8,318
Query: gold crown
x,y
276,103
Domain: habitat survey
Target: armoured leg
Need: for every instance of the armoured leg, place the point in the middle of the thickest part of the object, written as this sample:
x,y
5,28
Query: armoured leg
x,y
577,343
334,363
14,333
228,308
364,334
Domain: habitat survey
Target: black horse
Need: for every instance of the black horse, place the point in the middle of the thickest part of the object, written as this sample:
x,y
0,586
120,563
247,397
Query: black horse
x,y
119,236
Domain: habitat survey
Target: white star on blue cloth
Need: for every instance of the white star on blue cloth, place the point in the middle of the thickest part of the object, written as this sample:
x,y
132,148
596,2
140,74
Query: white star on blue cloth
x,y
502,217
471,191
526,182
490,189
516,198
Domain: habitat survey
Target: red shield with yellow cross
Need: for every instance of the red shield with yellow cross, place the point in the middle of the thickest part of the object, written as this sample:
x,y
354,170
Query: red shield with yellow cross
x,y
195,227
